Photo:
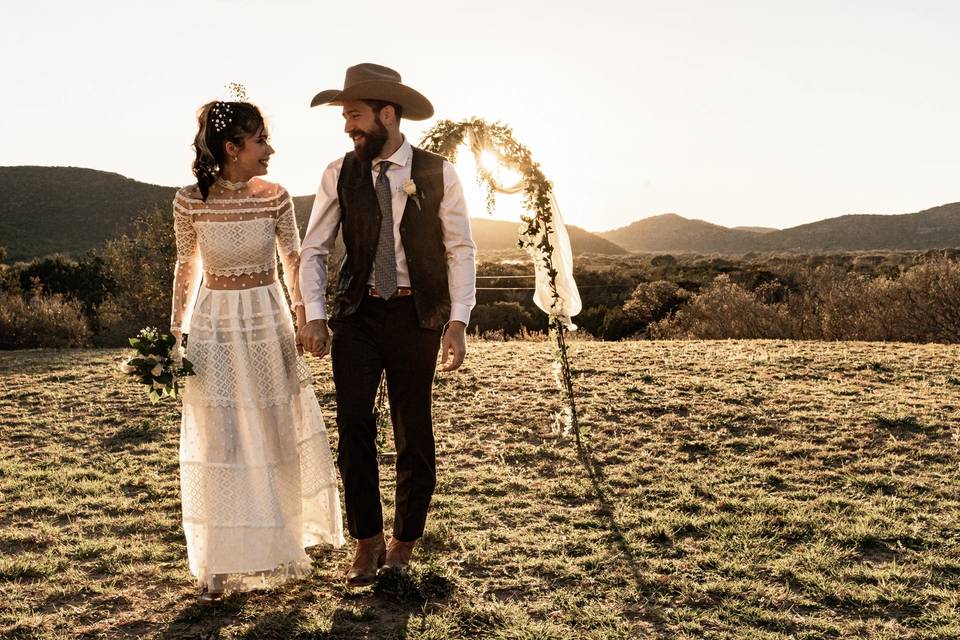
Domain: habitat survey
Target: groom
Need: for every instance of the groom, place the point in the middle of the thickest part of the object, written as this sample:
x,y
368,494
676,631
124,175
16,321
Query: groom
x,y
405,290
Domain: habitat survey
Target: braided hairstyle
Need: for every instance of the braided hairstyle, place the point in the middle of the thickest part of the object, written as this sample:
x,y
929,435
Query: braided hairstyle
x,y
221,122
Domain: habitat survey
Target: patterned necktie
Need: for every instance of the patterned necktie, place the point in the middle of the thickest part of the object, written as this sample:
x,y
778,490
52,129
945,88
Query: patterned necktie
x,y
385,260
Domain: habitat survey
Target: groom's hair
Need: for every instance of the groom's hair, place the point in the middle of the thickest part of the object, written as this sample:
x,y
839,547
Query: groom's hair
x,y
378,105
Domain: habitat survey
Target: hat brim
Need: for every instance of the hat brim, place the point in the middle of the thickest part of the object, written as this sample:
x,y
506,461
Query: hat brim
x,y
415,105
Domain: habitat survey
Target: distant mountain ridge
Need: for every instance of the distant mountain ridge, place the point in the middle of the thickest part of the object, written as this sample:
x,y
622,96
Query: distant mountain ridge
x,y
935,228
71,210
671,232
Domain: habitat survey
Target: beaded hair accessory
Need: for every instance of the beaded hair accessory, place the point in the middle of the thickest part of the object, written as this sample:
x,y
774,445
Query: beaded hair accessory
x,y
221,113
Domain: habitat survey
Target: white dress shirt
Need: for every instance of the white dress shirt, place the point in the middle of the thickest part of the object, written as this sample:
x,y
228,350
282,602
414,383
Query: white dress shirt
x,y
325,223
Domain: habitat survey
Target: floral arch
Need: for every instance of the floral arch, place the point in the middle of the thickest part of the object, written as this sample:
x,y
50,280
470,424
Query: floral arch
x,y
542,232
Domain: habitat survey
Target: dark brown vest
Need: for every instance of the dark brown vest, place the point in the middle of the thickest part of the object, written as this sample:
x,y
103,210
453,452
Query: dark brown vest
x,y
420,232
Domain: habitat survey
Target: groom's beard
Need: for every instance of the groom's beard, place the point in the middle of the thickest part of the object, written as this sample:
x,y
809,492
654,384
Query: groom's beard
x,y
371,143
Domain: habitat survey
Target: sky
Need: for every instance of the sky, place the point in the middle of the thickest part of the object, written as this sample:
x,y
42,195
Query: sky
x,y
742,112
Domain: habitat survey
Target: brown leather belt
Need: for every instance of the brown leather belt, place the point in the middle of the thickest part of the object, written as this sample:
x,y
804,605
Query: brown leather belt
x,y
401,292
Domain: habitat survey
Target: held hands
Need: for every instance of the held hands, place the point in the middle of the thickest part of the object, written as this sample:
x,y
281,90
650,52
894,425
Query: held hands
x,y
453,343
314,337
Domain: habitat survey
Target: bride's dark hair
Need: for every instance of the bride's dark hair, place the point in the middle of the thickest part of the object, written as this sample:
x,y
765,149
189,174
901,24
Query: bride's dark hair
x,y
221,122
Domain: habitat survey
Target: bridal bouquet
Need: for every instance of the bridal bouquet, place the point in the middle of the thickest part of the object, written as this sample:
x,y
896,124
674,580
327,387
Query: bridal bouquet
x,y
155,365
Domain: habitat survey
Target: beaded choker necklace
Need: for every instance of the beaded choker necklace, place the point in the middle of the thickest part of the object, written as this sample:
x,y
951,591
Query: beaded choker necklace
x,y
232,186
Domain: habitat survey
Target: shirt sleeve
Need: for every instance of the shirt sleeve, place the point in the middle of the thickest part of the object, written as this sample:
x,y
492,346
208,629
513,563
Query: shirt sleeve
x,y
318,243
288,246
188,271
460,248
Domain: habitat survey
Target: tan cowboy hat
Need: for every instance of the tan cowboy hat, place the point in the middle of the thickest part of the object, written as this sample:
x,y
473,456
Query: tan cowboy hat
x,y
369,81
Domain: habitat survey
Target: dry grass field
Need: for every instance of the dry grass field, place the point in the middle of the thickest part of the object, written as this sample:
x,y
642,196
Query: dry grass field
x,y
753,489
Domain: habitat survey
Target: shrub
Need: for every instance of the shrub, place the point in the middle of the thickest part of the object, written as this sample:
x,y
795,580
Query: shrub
x,y
663,261
140,264
618,325
41,321
829,302
508,317
84,280
653,301
725,310
929,300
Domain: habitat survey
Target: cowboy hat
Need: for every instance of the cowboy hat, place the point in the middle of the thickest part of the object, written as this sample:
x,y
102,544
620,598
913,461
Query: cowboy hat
x,y
369,81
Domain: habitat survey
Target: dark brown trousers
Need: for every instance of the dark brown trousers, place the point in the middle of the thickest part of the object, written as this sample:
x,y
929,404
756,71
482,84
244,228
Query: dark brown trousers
x,y
384,335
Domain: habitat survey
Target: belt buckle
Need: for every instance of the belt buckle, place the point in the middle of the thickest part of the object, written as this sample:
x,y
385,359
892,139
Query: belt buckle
x,y
401,292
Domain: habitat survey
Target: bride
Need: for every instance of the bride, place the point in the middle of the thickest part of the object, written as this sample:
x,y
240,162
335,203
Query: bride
x,y
256,474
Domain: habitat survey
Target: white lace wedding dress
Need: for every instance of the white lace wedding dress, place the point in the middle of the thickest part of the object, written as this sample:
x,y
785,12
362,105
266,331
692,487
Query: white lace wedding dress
x,y
257,478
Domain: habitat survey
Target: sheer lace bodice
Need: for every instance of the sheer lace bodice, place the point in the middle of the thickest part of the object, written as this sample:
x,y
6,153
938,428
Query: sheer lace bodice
x,y
236,232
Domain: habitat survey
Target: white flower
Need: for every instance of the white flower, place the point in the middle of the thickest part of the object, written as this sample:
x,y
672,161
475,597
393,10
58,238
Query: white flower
x,y
410,187
157,369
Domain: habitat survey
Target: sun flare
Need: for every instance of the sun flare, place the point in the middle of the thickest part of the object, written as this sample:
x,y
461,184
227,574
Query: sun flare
x,y
489,161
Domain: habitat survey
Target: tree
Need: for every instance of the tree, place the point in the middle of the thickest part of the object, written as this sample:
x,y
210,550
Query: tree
x,y
140,264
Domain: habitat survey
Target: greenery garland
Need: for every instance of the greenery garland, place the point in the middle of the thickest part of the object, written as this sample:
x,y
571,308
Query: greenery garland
x,y
445,138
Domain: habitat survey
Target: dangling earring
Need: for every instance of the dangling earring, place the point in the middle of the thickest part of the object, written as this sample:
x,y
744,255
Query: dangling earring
x,y
234,158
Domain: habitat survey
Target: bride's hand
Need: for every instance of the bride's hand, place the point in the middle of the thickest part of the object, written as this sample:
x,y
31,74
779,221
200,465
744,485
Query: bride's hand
x,y
177,351
299,320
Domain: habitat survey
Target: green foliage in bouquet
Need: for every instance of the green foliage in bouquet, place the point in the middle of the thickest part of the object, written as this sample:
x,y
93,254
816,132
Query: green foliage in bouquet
x,y
155,365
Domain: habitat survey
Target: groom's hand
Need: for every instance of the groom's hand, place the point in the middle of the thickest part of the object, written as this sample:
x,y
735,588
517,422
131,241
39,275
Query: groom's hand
x,y
315,337
453,343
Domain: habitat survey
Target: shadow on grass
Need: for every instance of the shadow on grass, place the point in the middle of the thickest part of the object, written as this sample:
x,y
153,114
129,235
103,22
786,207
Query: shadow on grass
x,y
200,621
382,612
132,434
386,609
598,479
904,425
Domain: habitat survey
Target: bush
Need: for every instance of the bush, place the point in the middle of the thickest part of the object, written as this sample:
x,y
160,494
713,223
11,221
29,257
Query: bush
x,y
509,317
41,321
725,310
663,261
618,325
84,281
140,265
653,301
828,302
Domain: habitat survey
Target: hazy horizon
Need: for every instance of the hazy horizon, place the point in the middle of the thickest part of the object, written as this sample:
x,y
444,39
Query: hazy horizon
x,y
739,114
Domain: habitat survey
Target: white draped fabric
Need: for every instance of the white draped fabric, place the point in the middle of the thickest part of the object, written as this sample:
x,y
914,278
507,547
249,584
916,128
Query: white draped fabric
x,y
567,303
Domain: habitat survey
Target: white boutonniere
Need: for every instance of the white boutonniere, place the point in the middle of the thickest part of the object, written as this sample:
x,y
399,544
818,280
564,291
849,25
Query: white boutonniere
x,y
410,188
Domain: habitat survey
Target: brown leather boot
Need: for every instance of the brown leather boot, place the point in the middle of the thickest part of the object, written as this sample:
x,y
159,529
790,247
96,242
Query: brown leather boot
x,y
398,555
370,556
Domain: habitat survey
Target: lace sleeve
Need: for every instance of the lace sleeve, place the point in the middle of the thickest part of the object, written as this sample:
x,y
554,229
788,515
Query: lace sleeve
x,y
288,244
188,270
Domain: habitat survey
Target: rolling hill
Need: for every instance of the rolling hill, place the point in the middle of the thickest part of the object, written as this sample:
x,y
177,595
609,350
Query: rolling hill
x,y
67,209
71,210
934,228
670,232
